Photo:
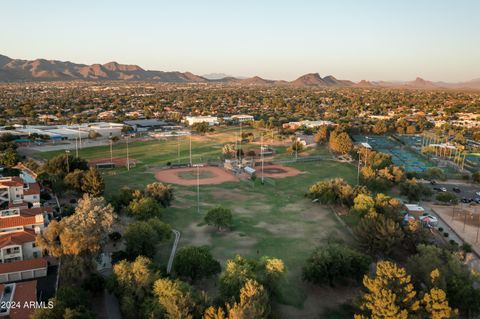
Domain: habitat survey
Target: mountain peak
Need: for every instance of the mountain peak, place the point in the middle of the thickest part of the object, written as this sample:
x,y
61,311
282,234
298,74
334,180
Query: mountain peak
x,y
115,66
309,79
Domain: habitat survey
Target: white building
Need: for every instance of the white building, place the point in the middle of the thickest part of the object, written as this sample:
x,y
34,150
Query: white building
x,y
18,228
15,190
242,118
210,120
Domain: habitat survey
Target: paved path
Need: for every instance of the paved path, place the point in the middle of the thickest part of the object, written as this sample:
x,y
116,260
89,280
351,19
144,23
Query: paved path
x,y
112,308
174,250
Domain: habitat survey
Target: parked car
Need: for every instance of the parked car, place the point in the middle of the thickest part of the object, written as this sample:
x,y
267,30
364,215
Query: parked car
x,y
465,200
477,193
437,189
429,220
443,189
456,190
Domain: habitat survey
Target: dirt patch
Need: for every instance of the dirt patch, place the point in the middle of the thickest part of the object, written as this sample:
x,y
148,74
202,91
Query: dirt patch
x,y
291,230
200,235
277,171
232,194
211,176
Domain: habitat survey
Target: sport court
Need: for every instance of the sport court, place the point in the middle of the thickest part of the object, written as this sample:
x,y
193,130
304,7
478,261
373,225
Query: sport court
x,y
401,155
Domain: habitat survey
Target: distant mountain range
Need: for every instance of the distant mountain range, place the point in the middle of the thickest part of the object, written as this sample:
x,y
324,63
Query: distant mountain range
x,y
12,70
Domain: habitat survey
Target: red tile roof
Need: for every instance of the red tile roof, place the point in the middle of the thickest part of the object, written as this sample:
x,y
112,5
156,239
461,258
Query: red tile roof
x,y
25,292
17,238
16,221
33,188
13,181
35,211
23,265
20,205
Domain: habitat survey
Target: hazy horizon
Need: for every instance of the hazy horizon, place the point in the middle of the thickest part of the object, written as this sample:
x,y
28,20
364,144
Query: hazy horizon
x,y
372,40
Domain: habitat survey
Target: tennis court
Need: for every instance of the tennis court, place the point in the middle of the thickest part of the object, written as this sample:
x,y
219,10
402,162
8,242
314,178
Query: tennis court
x,y
401,155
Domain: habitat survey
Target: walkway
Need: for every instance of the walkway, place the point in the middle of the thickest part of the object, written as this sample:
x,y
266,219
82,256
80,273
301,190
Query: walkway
x,y
174,250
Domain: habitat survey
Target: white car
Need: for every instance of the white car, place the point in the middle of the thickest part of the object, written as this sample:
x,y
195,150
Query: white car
x,y
429,220
477,193
443,189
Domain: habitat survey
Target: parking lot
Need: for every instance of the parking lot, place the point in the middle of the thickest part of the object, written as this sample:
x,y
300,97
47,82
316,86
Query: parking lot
x,y
463,189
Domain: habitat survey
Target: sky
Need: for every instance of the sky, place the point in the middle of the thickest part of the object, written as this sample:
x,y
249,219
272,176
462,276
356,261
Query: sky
x,y
351,39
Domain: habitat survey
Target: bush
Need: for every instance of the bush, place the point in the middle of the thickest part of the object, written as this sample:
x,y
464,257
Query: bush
x,y
333,263
115,236
447,197
94,283
467,248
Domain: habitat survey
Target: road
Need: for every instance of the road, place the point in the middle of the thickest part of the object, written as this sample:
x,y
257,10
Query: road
x,y
174,250
467,190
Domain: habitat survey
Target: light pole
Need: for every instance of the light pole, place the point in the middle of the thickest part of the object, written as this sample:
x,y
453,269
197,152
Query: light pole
x,y
198,187
68,163
76,147
128,157
261,153
178,149
111,151
190,148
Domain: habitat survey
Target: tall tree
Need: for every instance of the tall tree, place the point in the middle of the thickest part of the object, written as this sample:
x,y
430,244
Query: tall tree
x,y
389,294
219,217
93,183
195,263
163,193
82,233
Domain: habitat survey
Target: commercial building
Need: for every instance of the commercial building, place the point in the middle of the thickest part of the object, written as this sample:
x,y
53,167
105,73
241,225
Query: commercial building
x,y
210,120
307,123
240,118
66,132
148,125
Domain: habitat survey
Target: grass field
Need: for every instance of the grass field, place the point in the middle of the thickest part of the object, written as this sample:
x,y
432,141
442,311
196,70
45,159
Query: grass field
x,y
274,219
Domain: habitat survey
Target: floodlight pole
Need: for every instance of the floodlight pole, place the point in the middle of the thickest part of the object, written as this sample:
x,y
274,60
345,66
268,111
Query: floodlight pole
x,y
240,154
178,149
261,153
80,138
76,147
128,157
190,148
68,164
198,188
478,226
111,151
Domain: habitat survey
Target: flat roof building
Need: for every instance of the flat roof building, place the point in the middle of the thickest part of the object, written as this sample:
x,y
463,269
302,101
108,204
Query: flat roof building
x,y
210,120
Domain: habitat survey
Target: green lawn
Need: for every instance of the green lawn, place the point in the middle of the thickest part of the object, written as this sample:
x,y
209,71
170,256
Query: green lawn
x,y
273,220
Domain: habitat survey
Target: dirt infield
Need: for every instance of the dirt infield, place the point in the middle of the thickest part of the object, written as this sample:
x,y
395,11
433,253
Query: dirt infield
x,y
118,161
277,171
218,176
